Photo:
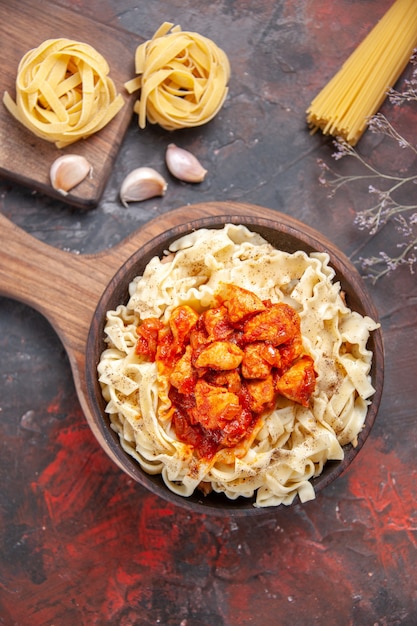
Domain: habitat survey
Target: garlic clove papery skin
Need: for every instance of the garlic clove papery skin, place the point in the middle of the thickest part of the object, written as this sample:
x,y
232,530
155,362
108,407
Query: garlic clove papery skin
x,y
141,184
184,165
68,171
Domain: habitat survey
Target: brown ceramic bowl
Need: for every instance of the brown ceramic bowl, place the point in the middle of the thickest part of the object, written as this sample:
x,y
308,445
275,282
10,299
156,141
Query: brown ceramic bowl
x,y
285,234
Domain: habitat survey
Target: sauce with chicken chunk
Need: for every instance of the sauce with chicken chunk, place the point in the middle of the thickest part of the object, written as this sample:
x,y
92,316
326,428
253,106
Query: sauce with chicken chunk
x,y
227,365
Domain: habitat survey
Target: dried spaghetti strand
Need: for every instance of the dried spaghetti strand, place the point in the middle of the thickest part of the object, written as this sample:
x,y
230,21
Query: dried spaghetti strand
x,y
182,77
358,89
63,92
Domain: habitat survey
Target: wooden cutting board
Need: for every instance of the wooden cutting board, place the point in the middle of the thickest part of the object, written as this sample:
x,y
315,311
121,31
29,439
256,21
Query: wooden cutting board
x,y
31,271
23,157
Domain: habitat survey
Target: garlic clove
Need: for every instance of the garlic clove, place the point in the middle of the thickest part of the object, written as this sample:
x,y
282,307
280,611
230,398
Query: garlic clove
x,y
141,184
184,165
68,171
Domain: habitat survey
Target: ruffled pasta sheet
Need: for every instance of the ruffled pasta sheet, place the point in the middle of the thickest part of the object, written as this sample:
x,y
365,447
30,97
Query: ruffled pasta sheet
x,y
292,443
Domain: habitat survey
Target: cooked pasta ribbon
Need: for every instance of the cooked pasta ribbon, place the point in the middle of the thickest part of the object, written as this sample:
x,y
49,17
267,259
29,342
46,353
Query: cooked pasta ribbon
x,y
292,442
356,92
63,92
182,77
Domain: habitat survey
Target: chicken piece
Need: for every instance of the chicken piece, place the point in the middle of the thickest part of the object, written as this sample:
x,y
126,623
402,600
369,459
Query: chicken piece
x,y
198,340
183,319
261,394
184,376
217,323
291,351
235,430
258,360
227,378
240,303
148,337
298,383
214,406
277,325
220,355
167,350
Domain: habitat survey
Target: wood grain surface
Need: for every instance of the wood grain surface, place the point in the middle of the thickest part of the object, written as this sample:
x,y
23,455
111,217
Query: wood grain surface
x,y
27,159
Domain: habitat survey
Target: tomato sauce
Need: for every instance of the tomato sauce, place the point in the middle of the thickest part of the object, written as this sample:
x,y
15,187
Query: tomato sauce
x,y
227,366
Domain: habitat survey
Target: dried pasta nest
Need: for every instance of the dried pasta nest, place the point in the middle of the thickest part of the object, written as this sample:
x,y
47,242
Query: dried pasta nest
x,y
182,77
63,92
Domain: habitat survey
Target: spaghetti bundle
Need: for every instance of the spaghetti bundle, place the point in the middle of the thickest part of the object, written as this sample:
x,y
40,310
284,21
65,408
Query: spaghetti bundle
x,y
63,92
356,92
182,77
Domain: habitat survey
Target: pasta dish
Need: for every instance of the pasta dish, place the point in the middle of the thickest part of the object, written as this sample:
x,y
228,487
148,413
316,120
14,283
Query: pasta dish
x,y
236,368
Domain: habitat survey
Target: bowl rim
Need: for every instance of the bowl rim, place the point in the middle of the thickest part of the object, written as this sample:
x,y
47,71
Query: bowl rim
x,y
284,226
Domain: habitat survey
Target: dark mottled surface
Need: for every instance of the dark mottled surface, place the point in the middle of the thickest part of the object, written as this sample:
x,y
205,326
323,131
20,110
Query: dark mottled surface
x,y
81,543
